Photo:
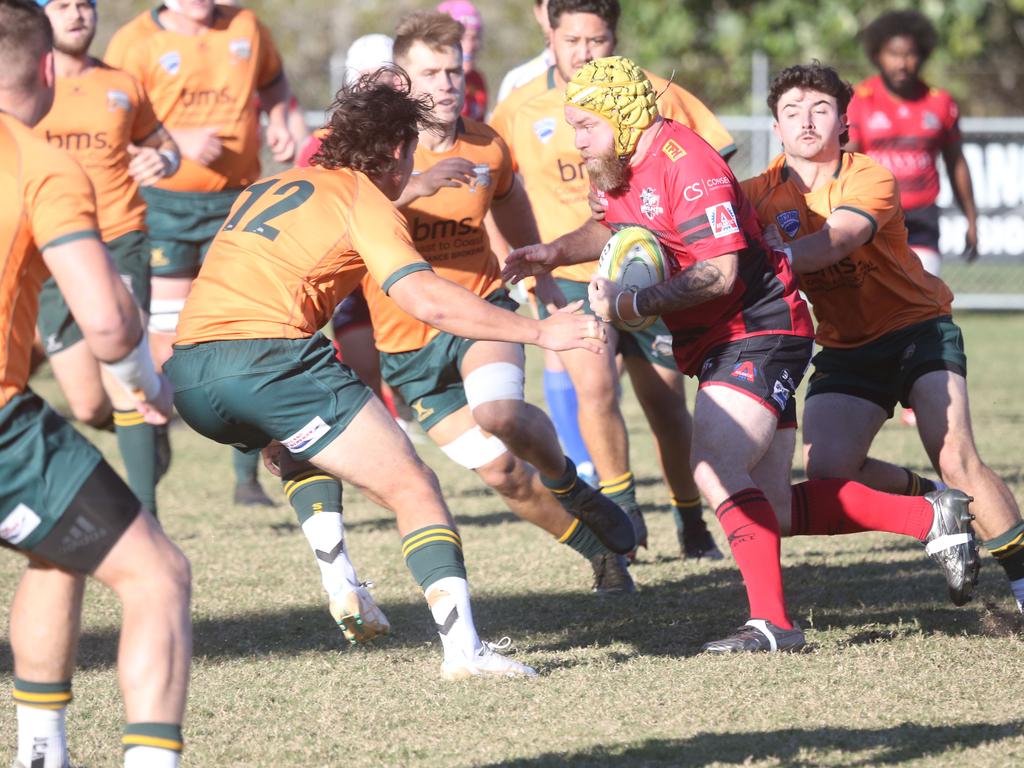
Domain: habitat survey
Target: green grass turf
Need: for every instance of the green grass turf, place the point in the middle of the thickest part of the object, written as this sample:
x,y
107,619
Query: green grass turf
x,y
895,675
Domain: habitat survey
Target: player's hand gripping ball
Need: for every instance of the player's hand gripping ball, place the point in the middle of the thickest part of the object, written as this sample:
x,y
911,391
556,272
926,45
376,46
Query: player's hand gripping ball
x,y
633,259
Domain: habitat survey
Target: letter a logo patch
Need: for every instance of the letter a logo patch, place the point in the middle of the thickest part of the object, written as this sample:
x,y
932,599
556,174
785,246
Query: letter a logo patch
x,y
722,220
745,371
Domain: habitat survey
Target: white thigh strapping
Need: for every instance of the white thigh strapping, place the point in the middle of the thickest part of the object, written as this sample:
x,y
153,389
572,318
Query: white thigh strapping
x,y
494,381
473,449
163,315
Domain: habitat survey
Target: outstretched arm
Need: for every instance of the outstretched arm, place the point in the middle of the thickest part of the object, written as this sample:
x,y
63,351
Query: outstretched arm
x,y
580,245
451,308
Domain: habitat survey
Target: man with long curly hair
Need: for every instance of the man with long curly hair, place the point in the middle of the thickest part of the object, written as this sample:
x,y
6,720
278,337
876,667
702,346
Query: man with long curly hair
x,y
252,369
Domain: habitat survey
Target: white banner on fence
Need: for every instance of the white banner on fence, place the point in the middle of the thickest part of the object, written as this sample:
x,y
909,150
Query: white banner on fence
x,y
997,176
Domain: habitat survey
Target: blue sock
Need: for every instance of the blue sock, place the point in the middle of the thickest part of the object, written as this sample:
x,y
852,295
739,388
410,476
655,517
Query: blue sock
x,y
562,404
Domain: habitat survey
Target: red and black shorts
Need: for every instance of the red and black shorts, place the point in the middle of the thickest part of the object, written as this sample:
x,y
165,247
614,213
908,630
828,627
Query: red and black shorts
x,y
767,368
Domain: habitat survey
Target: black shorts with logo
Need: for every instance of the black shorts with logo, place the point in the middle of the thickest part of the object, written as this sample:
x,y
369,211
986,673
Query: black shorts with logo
x,y
767,368
59,500
884,371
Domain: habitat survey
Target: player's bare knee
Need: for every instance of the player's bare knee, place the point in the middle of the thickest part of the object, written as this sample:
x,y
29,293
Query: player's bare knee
x,y
705,475
506,476
820,463
95,414
598,398
177,570
418,484
501,418
960,465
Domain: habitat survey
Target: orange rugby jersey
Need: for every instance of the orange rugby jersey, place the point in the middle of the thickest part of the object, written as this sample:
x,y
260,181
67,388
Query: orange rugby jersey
x,y
878,288
95,117
292,247
45,200
543,147
447,230
203,81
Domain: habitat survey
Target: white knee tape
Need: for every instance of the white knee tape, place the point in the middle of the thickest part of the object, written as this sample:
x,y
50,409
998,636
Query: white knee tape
x,y
473,449
163,315
495,381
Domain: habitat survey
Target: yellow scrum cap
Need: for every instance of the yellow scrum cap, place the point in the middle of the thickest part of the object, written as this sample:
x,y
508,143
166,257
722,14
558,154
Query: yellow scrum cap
x,y
619,91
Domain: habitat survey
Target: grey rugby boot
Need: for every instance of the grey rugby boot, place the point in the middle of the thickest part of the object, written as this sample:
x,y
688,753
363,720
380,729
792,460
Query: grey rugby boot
x,y
696,542
758,635
611,574
604,517
951,544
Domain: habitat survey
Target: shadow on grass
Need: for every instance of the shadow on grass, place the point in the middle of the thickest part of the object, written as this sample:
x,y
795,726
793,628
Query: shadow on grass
x,y
874,602
791,747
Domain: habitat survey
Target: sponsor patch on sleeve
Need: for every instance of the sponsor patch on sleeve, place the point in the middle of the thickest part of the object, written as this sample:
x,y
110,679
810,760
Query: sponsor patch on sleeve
x,y
673,151
722,220
306,436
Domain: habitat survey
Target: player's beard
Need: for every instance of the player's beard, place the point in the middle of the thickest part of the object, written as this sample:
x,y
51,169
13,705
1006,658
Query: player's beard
x,y
607,172
79,48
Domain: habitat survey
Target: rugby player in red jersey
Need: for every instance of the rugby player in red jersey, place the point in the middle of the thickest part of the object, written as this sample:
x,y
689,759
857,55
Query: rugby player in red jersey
x,y
905,124
738,324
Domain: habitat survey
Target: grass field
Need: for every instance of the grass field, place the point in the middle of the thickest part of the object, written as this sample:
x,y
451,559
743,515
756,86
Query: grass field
x,y
894,675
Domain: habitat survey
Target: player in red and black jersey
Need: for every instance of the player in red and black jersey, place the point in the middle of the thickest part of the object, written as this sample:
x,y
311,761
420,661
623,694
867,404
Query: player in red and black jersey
x,y
738,324
904,124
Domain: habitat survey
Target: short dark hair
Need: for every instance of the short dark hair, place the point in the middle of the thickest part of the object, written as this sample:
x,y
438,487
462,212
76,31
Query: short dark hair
x,y
608,10
25,37
907,23
433,29
370,119
813,77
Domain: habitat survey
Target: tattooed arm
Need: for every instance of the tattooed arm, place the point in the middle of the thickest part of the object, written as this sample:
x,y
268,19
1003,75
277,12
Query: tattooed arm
x,y
704,281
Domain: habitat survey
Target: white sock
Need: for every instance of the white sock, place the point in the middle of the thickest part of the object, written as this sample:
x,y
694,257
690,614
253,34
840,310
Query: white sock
x,y
41,735
1017,587
448,599
325,533
151,757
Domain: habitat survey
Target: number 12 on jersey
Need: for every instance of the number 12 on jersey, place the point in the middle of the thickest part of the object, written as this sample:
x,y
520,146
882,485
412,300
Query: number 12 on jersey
x,y
293,194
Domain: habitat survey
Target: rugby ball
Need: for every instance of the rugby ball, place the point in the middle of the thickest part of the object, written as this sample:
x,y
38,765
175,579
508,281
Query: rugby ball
x,y
633,258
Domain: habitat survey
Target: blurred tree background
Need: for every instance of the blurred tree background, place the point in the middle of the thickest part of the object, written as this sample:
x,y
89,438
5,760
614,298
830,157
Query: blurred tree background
x,y
708,43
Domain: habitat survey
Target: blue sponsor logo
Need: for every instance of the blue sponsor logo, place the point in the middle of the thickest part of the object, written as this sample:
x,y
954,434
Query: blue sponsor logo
x,y
171,62
789,222
545,129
